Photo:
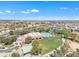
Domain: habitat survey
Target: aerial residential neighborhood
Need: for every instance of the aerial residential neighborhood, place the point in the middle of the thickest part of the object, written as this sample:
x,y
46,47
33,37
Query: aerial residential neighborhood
x,y
39,38
39,29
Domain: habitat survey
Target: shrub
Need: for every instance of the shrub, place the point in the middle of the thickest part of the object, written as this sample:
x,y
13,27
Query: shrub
x,y
15,54
36,48
28,40
11,32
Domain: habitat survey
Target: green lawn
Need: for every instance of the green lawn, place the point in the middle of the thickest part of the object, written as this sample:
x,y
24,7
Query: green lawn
x,y
50,43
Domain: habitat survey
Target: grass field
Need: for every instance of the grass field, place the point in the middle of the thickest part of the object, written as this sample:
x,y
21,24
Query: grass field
x,y
50,43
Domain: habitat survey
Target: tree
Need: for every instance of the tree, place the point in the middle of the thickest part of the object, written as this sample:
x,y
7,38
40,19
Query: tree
x,y
6,40
77,38
15,54
73,36
77,50
36,50
66,47
11,32
28,40
75,53
2,47
2,39
66,32
9,40
12,27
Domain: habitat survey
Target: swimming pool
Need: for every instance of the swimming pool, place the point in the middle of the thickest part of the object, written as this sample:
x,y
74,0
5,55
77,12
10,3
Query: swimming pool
x,y
45,34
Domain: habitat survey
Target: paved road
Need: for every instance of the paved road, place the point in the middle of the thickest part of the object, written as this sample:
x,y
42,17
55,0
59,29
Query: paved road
x,y
8,49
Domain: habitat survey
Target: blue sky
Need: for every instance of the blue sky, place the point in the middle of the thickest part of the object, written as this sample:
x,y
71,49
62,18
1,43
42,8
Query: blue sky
x,y
42,10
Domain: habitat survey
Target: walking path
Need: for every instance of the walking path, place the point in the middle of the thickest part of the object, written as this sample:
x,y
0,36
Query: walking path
x,y
73,45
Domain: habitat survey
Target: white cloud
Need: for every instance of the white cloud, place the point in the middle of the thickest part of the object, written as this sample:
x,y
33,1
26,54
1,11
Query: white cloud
x,y
30,11
76,8
1,12
8,11
63,8
34,10
25,12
